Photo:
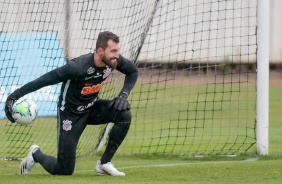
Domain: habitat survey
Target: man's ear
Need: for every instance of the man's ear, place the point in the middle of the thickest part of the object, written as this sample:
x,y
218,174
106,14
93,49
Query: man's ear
x,y
100,51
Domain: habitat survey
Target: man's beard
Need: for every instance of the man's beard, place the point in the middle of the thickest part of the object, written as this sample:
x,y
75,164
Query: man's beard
x,y
110,63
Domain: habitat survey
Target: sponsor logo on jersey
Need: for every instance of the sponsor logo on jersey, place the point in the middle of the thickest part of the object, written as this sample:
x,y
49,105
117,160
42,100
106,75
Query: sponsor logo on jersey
x,y
67,125
87,78
107,72
83,107
90,70
86,90
93,76
86,84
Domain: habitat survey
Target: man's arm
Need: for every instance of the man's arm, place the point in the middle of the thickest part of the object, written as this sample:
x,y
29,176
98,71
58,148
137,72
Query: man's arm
x,y
63,73
131,73
53,77
47,79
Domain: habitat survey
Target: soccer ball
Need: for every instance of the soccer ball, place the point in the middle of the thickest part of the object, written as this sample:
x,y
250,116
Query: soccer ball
x,y
24,111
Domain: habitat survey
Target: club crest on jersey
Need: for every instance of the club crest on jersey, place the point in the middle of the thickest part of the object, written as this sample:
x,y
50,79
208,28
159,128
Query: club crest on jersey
x,y
67,125
90,70
107,72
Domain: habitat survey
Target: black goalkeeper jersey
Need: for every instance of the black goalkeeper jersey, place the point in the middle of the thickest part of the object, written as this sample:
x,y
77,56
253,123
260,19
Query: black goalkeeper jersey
x,y
82,81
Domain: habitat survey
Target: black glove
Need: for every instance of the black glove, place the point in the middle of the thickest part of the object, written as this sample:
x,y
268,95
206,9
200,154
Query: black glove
x,y
120,102
9,105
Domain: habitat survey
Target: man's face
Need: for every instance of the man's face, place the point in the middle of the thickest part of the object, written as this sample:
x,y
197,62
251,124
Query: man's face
x,y
111,53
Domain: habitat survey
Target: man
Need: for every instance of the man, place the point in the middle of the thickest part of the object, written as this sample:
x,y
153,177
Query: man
x,y
79,105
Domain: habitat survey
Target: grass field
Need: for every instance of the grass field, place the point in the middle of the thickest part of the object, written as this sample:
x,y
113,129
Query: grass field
x,y
168,169
158,170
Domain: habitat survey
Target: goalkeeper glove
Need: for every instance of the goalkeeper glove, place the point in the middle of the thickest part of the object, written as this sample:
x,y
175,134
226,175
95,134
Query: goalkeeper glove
x,y
120,102
9,105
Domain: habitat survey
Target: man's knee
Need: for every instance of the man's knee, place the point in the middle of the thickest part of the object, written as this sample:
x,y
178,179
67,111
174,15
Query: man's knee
x,y
65,166
66,171
126,116
123,118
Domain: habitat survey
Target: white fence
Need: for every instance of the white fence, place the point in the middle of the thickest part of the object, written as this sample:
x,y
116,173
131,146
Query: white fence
x,y
16,13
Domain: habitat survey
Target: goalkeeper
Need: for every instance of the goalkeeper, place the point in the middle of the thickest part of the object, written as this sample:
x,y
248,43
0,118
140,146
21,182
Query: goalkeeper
x,y
79,105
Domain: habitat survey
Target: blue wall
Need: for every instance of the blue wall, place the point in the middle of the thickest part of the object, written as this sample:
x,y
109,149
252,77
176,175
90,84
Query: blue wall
x,y
23,58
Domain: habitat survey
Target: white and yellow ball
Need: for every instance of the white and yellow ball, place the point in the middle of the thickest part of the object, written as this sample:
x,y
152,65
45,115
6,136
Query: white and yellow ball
x,y
24,111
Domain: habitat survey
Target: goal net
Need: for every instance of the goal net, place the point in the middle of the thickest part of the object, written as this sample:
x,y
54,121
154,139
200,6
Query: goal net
x,y
196,91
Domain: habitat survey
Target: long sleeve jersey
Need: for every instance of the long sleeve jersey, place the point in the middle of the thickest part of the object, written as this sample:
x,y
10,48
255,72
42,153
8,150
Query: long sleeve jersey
x,y
81,82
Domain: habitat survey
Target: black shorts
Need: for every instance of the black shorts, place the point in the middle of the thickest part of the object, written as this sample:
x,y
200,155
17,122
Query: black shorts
x,y
71,126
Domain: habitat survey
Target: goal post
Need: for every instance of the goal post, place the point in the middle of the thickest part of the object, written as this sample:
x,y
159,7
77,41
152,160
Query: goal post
x,y
203,72
263,78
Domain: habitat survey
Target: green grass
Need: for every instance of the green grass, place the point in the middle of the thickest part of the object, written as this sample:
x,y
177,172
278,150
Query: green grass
x,y
204,118
275,119
156,168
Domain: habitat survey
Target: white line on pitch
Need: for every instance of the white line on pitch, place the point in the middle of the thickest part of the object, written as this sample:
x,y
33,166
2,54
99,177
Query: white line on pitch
x,y
177,164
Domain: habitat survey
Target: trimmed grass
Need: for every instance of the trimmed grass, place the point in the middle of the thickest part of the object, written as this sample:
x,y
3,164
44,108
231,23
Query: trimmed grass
x,y
154,168
158,170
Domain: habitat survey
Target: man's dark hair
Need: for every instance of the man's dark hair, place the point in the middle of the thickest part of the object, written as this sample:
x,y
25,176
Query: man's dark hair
x,y
104,37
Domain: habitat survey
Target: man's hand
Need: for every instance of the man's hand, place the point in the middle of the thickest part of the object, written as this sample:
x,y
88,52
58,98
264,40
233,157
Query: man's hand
x,y
120,102
10,102
9,108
